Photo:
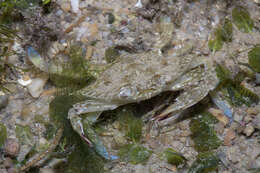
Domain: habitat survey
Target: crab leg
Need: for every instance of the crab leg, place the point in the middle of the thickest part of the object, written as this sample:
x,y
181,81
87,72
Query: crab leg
x,y
191,94
94,108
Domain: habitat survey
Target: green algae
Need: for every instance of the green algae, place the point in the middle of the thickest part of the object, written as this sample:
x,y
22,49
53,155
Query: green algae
x,y
239,95
203,134
222,33
205,163
134,153
227,31
254,58
50,131
173,157
131,124
3,134
241,18
24,134
75,74
235,93
82,158
215,44
254,170
111,54
111,18
223,74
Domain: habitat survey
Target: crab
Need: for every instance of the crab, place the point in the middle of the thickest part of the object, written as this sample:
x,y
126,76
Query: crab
x,y
138,77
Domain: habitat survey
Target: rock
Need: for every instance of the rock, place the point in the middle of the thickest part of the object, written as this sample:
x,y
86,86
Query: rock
x,y
3,101
12,170
248,118
256,122
119,140
238,117
234,154
230,135
249,129
253,110
46,170
74,5
65,6
3,170
140,169
8,162
219,128
219,114
11,147
257,76
36,87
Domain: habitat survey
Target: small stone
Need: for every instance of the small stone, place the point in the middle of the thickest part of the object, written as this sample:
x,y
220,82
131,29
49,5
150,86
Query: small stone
x,y
74,5
116,125
89,52
140,169
65,6
256,122
12,170
25,80
230,135
248,118
219,115
2,170
249,130
46,170
252,111
238,117
233,154
119,140
36,87
11,147
3,101
219,128
8,162
26,112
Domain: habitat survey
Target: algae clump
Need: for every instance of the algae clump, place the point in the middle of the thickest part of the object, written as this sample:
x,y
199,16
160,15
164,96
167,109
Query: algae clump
x,y
205,163
173,157
111,54
254,58
242,19
3,134
203,134
131,124
24,134
134,153
222,33
82,158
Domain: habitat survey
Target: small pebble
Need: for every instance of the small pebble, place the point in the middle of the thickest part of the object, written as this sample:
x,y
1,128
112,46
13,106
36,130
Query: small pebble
x,y
256,122
238,117
253,110
257,76
74,5
219,128
2,170
230,135
46,170
8,162
249,130
3,101
219,114
11,147
65,6
36,87
248,118
12,170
